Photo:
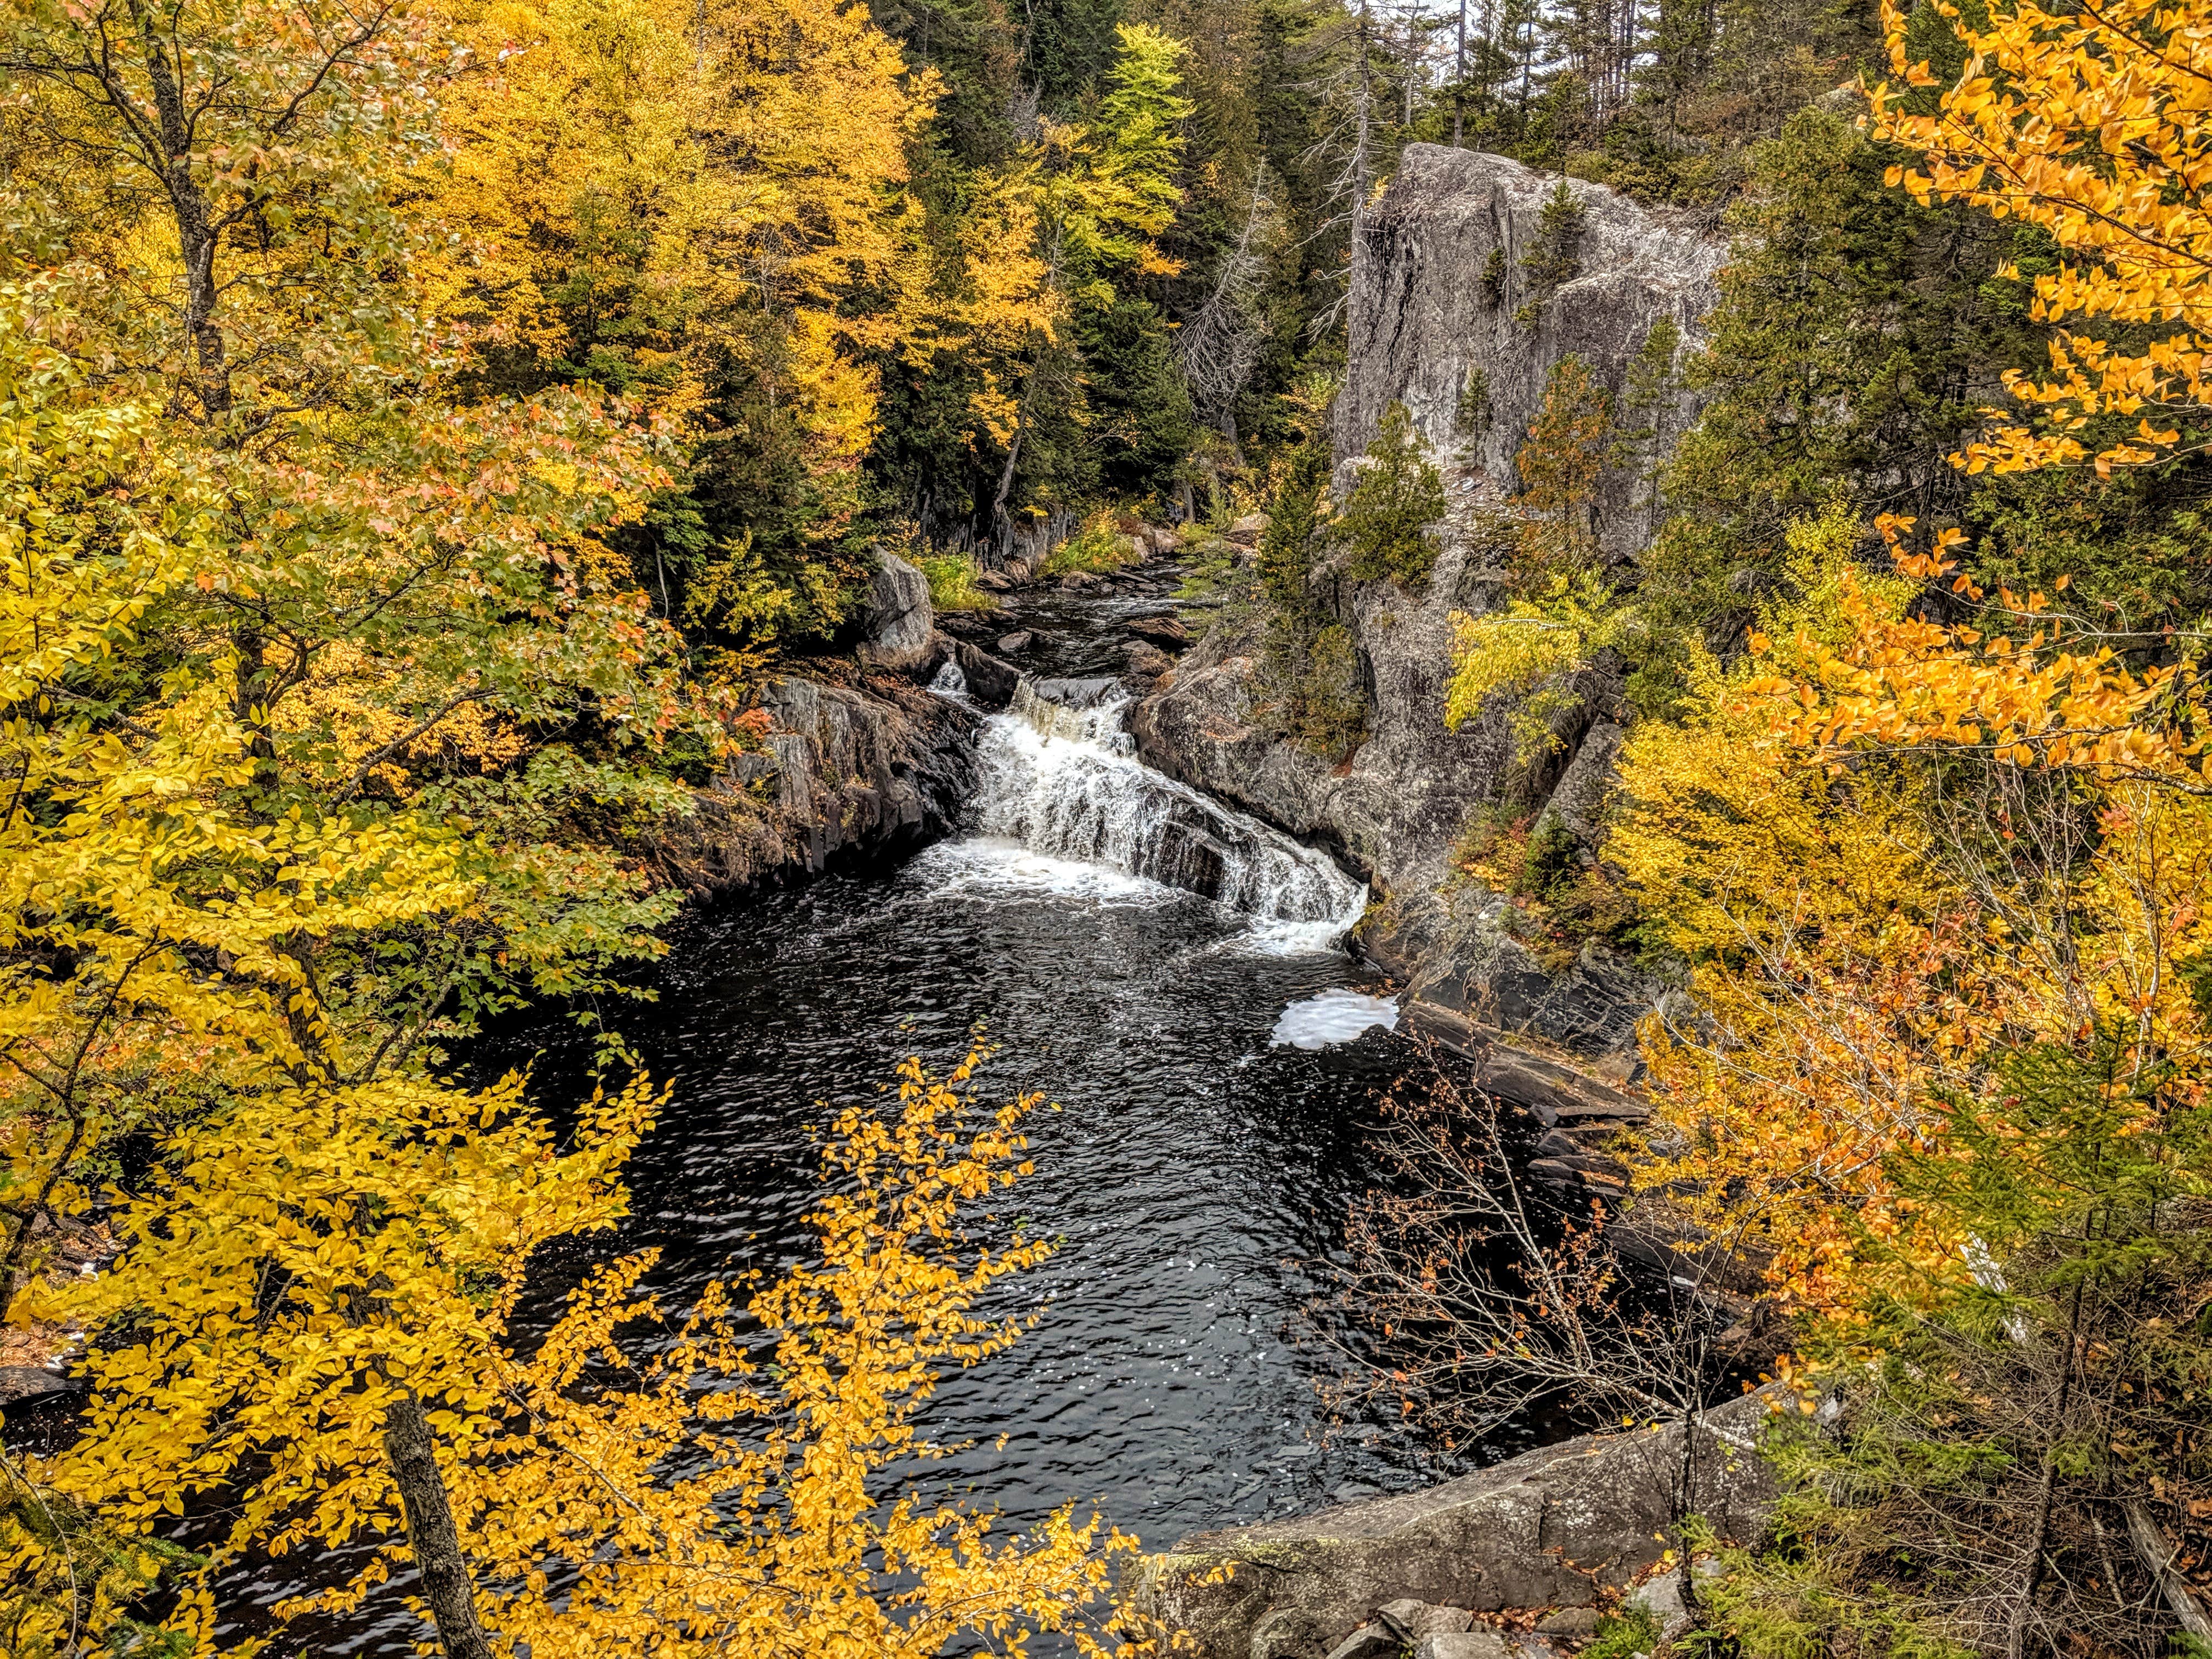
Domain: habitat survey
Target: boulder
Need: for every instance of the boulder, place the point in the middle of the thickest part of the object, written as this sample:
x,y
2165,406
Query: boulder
x,y
24,1386
990,681
856,769
1551,1527
901,629
1662,1599
1248,529
1147,662
1093,691
1464,1644
994,582
1160,630
1569,1621
1414,1619
1376,1641
1013,644
1285,1633
1079,582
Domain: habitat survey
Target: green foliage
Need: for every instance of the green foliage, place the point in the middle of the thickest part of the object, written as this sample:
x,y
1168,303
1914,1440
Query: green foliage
x,y
1098,548
1851,349
1553,260
952,584
1295,526
1309,686
1651,384
1471,419
1385,526
1562,898
68,1579
1139,425
1310,692
1632,1630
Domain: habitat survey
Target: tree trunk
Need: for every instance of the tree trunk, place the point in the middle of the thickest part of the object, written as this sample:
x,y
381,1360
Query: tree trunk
x,y
1686,1503
196,234
2156,1552
1459,82
431,1535
1001,530
2039,1532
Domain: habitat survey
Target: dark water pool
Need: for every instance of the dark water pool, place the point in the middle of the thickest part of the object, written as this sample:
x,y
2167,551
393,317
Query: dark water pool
x,y
1198,1175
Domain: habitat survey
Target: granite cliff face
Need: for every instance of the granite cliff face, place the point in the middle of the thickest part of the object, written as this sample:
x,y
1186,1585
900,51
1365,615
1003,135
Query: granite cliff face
x,y
1461,303
1446,294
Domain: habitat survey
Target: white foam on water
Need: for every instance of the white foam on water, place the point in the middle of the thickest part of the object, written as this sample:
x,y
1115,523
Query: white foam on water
x,y
993,867
1333,1017
1060,778
1266,938
952,683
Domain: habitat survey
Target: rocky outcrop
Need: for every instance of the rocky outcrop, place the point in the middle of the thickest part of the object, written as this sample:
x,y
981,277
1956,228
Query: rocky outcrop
x,y
1447,302
844,768
901,629
1555,1528
849,762
1401,805
1459,313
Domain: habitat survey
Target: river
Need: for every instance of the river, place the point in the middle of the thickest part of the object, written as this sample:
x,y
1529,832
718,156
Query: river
x,y
1213,1077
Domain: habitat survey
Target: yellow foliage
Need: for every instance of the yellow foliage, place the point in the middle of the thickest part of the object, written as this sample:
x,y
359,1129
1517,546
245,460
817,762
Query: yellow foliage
x,y
1864,840
702,183
1528,653
2090,123
714,1501
320,1256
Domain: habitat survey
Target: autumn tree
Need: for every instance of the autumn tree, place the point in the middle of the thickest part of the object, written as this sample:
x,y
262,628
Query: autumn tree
x,y
704,212
329,1270
219,922
2089,126
1100,194
210,179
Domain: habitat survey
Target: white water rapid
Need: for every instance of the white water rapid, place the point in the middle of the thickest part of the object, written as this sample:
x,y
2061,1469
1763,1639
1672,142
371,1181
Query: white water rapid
x,y
1060,779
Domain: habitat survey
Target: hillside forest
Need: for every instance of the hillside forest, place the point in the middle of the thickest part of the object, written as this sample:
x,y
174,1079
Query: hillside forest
x,y
428,427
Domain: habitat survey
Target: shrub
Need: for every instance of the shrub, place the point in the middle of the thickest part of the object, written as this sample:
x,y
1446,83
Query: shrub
x,y
1098,547
952,585
1399,494
1632,1629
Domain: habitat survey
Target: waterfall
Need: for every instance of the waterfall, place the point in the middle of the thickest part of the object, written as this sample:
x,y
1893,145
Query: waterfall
x,y
1060,776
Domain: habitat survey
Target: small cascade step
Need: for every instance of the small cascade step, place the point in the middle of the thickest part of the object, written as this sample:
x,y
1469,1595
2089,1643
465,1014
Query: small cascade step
x,y
1060,775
